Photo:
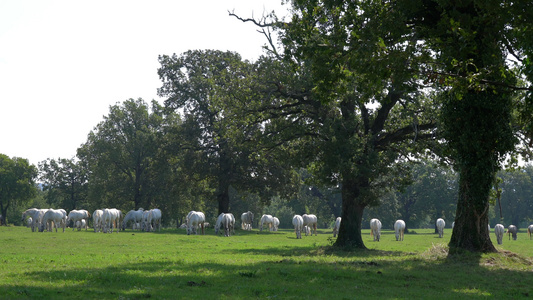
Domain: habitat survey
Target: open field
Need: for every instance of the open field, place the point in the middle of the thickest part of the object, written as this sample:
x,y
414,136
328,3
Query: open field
x,y
250,265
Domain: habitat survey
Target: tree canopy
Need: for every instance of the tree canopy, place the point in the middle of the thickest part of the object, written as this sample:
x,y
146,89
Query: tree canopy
x,y
17,183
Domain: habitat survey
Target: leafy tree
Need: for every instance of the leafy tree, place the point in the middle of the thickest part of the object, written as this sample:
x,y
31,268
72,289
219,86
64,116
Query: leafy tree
x,y
477,110
344,97
17,184
517,192
121,154
65,181
210,87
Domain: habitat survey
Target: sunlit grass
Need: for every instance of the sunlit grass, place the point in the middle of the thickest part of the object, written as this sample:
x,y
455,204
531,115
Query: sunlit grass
x,y
170,265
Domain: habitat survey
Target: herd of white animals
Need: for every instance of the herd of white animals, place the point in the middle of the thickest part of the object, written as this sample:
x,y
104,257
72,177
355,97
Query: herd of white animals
x,y
104,220
109,219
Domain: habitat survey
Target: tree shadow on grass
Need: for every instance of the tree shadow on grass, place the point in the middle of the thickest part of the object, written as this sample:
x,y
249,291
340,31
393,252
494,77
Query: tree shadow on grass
x,y
285,276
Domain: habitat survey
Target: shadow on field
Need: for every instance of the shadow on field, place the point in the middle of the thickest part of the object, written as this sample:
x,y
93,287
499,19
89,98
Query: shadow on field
x,y
297,272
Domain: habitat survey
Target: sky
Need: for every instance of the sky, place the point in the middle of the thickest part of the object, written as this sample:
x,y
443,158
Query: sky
x,y
64,63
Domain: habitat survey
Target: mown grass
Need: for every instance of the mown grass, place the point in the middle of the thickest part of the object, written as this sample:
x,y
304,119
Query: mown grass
x,y
250,265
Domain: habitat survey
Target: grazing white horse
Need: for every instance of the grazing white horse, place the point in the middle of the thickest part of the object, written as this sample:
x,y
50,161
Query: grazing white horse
x,y
530,230
512,230
152,219
111,218
195,219
247,219
225,221
78,215
80,224
275,224
307,230
399,228
440,227
29,221
266,220
134,216
232,223
98,219
498,231
298,223
337,226
52,218
218,223
311,221
375,229
35,215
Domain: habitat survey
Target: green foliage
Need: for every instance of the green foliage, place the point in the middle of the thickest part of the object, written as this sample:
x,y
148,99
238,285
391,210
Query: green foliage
x,y
216,91
359,111
65,183
516,194
123,156
432,194
17,184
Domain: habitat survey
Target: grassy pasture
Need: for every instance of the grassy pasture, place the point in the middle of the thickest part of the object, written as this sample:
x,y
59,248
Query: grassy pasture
x,y
253,265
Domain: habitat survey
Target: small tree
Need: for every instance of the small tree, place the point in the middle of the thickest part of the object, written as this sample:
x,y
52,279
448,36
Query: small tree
x,y
16,183
66,182
120,154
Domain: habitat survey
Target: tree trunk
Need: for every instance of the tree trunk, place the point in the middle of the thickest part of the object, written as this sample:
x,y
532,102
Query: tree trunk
x,y
3,214
471,230
480,133
352,216
223,198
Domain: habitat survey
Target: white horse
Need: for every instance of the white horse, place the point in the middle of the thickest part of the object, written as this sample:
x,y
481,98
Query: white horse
x,y
298,223
78,215
512,230
275,224
498,231
440,227
399,228
29,221
337,226
311,221
98,219
247,219
80,224
227,222
307,230
195,219
266,220
530,230
375,229
134,216
153,219
218,223
35,215
111,218
52,218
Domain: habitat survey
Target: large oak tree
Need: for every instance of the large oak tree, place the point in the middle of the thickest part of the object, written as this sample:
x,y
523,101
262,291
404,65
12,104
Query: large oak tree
x,y
346,99
213,89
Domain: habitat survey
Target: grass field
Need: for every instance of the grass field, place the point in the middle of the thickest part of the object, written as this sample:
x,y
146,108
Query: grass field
x,y
253,265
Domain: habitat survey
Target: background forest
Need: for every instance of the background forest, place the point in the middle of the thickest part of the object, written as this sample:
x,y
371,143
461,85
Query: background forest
x,y
431,194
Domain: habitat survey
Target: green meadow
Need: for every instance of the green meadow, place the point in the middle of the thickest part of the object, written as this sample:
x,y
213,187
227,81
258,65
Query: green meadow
x,y
254,265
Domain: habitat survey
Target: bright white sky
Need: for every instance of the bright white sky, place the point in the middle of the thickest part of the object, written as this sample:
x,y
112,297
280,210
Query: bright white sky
x,y
64,63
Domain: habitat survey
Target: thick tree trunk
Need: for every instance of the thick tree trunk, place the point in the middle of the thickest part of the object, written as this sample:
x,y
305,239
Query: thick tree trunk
x,y
471,230
479,135
352,216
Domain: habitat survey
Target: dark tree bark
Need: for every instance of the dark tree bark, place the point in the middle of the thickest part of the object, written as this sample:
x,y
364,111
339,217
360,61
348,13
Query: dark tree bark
x,y
478,131
352,216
